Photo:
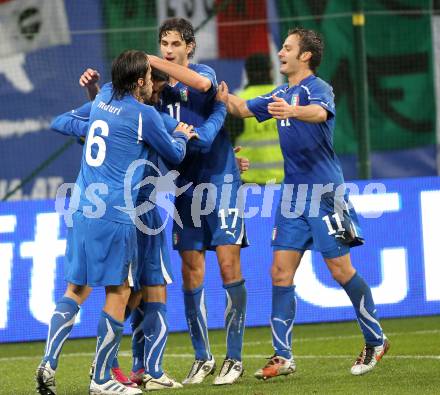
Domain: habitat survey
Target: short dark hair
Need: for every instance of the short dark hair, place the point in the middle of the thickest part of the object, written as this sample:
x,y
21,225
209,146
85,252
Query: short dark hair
x,y
258,67
309,41
127,68
158,75
183,27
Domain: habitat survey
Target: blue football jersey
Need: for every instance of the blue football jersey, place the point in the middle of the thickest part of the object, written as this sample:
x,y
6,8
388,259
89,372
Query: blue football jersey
x,y
76,123
211,163
119,133
73,123
307,147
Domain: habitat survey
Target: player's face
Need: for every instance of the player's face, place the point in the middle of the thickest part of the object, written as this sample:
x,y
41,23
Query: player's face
x,y
157,89
146,89
174,48
290,60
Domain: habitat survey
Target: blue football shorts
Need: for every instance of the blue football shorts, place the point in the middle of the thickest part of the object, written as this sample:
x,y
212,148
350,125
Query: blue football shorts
x,y
224,225
154,264
329,226
100,252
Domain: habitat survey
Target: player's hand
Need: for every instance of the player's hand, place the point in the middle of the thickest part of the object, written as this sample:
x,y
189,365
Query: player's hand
x,y
280,109
187,130
222,92
242,163
89,78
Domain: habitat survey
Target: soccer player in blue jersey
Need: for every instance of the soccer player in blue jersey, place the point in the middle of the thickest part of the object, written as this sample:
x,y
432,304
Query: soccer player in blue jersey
x,y
305,113
101,245
155,274
190,97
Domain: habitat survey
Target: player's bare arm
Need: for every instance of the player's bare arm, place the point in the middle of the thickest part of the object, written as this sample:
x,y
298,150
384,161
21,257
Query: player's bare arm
x,y
89,80
312,113
234,104
181,73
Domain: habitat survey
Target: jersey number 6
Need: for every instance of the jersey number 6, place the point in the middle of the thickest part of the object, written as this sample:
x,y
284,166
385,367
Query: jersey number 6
x,y
95,139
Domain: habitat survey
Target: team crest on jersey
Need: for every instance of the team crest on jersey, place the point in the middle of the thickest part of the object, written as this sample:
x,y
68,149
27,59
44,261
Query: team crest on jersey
x,y
175,238
184,94
274,233
295,100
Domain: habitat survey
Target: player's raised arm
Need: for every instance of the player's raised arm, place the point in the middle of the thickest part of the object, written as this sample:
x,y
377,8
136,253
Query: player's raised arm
x,y
234,104
181,73
76,122
73,123
89,80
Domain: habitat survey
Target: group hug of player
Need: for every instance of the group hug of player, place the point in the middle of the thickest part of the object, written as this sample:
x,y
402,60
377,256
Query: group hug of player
x,y
171,111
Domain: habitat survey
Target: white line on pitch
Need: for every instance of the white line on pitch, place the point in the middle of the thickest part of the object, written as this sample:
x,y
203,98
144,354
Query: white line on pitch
x,y
250,343
300,339
264,356
250,356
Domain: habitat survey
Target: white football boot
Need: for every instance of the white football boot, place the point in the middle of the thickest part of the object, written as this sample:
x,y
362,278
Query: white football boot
x,y
45,378
199,371
369,357
276,366
149,383
112,387
230,372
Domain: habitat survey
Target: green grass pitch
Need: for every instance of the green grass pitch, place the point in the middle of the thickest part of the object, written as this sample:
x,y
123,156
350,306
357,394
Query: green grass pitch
x,y
324,354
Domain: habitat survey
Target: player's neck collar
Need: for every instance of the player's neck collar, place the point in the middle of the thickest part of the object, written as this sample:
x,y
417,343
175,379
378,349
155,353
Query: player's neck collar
x,y
302,81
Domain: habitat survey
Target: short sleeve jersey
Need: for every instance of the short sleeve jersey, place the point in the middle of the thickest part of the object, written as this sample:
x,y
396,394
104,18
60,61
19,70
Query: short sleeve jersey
x,y
307,147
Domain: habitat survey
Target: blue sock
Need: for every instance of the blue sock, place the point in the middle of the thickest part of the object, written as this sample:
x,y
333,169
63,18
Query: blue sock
x,y
115,364
60,326
282,319
137,338
235,315
197,320
155,326
360,295
109,339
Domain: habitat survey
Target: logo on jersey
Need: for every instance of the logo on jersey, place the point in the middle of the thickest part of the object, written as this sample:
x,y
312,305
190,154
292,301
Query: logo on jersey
x,y
295,100
184,94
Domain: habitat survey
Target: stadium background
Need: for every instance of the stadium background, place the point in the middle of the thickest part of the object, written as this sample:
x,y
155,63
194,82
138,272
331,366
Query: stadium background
x,y
48,43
